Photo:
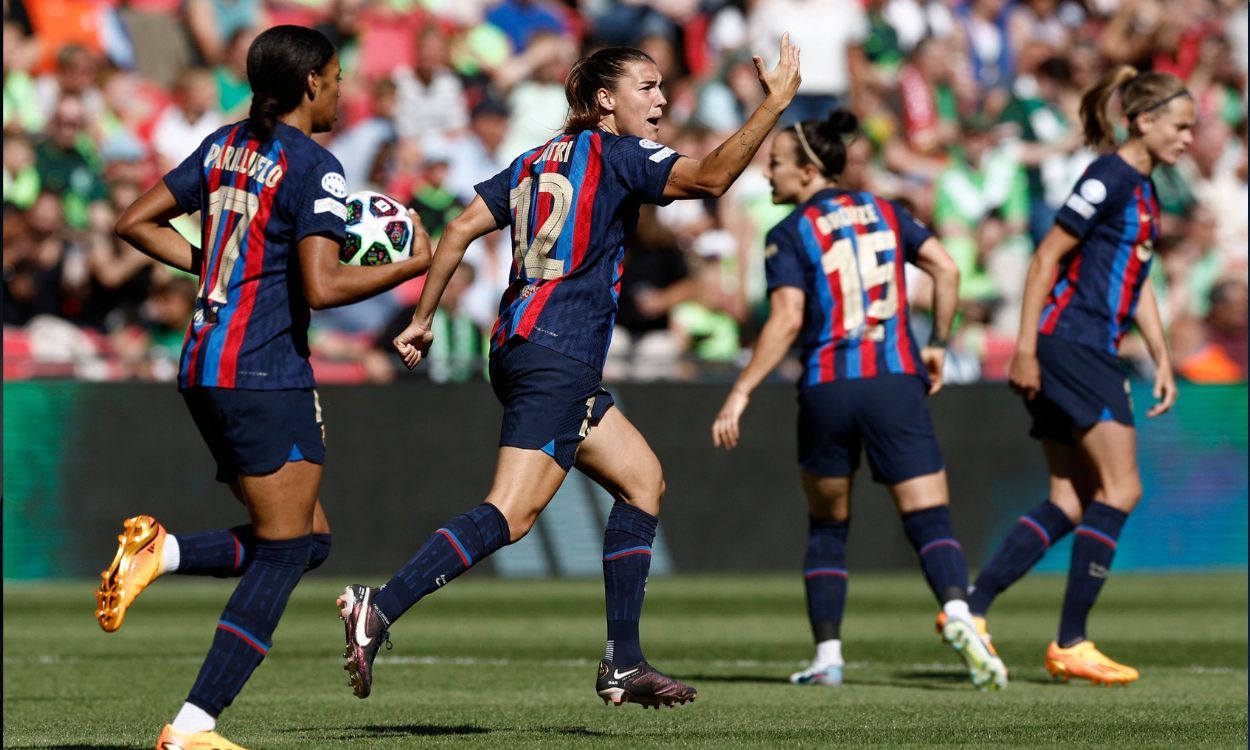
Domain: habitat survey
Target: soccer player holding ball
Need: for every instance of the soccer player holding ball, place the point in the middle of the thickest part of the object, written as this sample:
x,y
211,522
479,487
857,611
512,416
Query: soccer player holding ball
x,y
272,217
835,270
1088,282
570,204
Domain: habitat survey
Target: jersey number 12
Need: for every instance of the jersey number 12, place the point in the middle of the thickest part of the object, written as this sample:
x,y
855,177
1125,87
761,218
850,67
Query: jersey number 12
x,y
533,259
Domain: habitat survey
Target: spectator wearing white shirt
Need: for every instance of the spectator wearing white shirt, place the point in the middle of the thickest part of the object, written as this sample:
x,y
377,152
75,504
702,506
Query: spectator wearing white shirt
x,y
831,34
430,99
189,120
474,156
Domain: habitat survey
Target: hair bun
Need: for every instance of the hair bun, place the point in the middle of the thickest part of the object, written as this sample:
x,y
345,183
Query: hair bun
x,y
843,122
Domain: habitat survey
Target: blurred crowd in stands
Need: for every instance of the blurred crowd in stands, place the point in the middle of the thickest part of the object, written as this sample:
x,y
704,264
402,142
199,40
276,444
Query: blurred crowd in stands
x,y
969,111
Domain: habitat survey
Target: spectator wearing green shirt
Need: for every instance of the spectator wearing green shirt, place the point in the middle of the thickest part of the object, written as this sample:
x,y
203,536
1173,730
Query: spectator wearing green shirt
x,y
981,214
234,95
67,164
1046,135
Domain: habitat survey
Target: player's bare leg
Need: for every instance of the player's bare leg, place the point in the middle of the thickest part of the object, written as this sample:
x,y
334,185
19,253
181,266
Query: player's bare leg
x,y
618,458
1073,479
525,482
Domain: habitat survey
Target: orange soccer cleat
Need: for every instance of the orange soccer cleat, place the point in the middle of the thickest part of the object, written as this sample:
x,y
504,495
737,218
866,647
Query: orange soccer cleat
x,y
137,563
172,739
1085,661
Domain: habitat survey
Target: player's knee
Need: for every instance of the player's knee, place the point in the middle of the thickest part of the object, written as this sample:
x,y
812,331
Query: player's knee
x,y
1124,493
519,525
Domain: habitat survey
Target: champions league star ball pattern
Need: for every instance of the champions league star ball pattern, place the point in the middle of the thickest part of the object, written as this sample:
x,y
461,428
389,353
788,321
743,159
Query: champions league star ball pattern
x,y
379,230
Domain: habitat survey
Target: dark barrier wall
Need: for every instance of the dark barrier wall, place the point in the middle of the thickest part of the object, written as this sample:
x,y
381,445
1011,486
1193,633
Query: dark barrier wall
x,y
402,459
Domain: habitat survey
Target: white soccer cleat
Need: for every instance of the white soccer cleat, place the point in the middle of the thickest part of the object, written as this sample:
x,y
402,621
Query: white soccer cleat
x,y
819,674
986,670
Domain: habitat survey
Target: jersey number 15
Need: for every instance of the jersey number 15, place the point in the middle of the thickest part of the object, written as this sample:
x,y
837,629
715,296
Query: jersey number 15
x,y
859,272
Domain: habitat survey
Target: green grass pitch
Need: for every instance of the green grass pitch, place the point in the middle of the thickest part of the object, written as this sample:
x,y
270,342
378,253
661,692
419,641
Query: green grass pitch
x,y
495,663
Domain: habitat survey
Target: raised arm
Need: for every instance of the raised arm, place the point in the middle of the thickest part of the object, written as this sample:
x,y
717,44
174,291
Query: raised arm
x,y
933,259
1024,372
785,319
712,175
329,283
476,220
1148,322
145,224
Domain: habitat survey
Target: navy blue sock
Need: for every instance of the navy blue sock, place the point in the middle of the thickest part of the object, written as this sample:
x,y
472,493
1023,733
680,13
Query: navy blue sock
x,y
941,557
319,551
223,553
626,562
1032,535
227,553
245,630
462,543
824,575
1092,550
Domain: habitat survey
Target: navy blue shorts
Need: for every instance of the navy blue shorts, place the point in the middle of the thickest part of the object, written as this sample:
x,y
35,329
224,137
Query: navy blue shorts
x,y
886,414
253,433
550,401
1081,386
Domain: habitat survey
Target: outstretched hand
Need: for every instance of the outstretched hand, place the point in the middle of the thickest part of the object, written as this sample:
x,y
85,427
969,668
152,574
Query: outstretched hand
x,y
782,82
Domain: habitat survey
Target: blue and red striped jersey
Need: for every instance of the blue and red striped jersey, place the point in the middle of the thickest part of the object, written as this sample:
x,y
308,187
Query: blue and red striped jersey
x,y
1114,212
258,200
573,205
846,251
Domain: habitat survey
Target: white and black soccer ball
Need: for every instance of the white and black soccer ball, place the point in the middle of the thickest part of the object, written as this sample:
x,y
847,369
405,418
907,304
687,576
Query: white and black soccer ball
x,y
379,230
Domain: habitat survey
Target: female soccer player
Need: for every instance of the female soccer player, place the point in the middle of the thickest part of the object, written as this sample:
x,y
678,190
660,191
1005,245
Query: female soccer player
x,y
1065,360
835,276
572,204
271,202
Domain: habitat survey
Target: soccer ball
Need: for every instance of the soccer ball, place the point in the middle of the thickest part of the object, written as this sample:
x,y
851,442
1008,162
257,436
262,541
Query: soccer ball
x,y
379,230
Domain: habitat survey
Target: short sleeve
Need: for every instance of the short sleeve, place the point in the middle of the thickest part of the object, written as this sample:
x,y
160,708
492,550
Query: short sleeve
x,y
783,259
321,208
1094,197
494,193
643,167
184,181
911,232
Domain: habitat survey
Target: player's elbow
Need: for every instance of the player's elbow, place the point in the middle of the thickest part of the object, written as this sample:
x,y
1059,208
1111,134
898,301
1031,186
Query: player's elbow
x,y
714,186
459,228
944,269
316,301
790,326
126,226
318,295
